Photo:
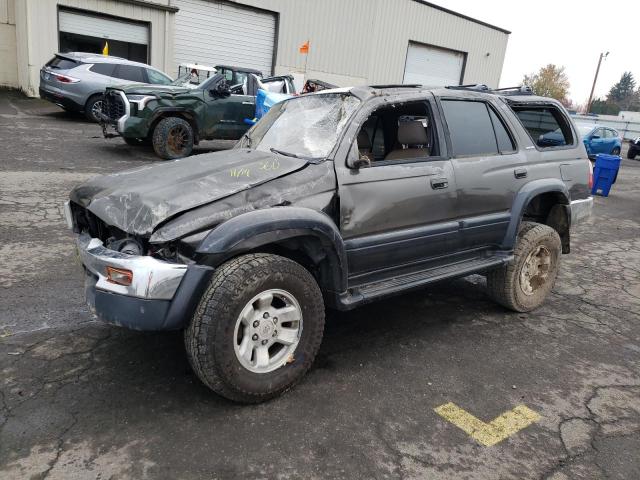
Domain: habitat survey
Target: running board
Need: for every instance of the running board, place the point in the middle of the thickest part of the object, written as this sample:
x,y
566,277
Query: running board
x,y
382,288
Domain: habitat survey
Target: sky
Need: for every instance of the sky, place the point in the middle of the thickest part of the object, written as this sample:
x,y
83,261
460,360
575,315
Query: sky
x,y
564,32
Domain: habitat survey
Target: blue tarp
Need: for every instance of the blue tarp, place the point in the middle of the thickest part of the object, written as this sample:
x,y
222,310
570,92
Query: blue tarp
x,y
264,101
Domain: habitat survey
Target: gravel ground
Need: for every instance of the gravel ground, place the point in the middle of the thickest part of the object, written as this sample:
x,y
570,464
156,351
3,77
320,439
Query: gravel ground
x,y
84,400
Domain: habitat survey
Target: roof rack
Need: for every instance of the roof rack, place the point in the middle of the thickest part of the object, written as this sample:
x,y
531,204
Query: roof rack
x,y
479,87
521,90
397,85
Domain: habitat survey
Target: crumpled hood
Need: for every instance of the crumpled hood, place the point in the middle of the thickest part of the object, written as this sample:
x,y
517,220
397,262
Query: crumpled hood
x,y
146,89
137,201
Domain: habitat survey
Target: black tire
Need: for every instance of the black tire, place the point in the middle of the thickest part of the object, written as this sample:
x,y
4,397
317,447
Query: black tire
x,y
136,142
615,151
631,153
172,138
504,284
91,108
211,335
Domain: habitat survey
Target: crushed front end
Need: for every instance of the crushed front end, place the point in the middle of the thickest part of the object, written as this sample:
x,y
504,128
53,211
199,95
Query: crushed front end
x,y
116,109
126,282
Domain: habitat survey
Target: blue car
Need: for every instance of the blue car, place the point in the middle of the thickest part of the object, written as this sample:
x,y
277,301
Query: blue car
x,y
600,140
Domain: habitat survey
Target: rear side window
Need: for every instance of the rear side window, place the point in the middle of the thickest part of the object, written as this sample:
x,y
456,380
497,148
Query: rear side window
x,y
130,72
157,78
546,125
470,128
60,63
103,69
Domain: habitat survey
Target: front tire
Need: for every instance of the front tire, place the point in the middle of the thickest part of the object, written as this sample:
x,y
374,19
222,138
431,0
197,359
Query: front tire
x,y
257,328
524,283
615,151
173,138
631,154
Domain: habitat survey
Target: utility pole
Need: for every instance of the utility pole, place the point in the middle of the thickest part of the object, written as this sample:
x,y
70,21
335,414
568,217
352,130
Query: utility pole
x,y
595,79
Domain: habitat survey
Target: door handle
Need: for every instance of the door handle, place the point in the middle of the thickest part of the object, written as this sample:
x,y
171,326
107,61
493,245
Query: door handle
x,y
520,172
247,103
439,183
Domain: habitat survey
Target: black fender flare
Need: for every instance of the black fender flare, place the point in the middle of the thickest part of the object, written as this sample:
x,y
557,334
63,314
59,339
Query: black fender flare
x,y
252,230
522,199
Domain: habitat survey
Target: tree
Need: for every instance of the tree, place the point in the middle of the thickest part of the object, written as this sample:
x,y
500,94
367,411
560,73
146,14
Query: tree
x,y
622,91
550,81
622,95
604,107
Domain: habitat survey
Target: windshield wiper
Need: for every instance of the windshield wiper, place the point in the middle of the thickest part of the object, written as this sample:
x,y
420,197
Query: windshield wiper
x,y
295,155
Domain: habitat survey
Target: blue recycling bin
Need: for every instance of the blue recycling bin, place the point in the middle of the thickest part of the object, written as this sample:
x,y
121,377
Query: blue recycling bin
x,y
605,173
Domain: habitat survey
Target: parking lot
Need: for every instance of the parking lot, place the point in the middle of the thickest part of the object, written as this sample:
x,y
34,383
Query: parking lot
x,y
81,399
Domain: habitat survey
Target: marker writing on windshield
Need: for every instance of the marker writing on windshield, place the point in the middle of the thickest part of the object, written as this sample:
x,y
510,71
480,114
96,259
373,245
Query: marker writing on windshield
x,y
240,172
270,164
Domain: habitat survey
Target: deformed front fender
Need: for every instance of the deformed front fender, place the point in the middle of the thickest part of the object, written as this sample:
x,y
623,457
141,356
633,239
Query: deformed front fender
x,y
259,228
522,199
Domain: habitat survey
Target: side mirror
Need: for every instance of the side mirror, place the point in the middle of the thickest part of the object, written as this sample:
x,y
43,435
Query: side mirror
x,y
221,89
358,161
595,137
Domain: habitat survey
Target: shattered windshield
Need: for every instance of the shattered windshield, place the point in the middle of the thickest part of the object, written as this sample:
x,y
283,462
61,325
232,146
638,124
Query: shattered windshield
x,y
306,126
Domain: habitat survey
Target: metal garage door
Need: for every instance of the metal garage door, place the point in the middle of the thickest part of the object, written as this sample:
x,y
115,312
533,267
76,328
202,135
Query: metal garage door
x,y
433,66
100,27
217,33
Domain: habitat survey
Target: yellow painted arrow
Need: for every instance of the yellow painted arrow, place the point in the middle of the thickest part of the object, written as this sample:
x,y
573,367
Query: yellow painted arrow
x,y
488,434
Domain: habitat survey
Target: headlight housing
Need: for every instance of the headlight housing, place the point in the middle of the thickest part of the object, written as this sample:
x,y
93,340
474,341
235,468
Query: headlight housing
x,y
140,100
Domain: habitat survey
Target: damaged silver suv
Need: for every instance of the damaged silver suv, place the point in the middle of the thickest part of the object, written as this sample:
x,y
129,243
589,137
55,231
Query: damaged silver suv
x,y
332,200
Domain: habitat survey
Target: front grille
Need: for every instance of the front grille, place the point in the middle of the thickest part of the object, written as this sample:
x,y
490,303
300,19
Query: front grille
x,y
113,105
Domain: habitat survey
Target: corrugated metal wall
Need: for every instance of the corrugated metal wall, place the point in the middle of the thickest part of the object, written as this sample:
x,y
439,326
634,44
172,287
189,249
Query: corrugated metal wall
x,y
37,33
365,41
213,33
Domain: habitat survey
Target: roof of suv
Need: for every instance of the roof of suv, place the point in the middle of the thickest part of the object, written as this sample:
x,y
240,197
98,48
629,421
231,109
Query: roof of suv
x,y
86,57
514,95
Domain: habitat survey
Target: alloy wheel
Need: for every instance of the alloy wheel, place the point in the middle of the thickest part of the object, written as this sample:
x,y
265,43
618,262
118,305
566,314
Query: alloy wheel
x,y
96,109
535,270
268,331
177,139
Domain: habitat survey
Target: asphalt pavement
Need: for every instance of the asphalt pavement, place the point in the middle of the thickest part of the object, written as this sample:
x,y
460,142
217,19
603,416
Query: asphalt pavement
x,y
441,383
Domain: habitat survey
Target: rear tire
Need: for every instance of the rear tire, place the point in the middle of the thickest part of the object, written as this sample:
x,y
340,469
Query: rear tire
x,y
236,321
93,107
615,151
173,138
524,283
631,154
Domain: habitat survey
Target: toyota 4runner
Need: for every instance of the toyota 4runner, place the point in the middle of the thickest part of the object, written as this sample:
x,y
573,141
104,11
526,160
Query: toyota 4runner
x,y
333,199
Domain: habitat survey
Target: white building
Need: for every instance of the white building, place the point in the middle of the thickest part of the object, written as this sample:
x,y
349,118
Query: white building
x,y
351,41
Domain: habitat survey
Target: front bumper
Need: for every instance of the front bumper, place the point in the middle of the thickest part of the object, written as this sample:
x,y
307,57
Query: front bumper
x,y
581,210
152,278
162,295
